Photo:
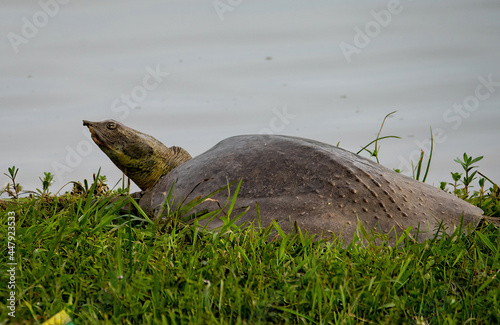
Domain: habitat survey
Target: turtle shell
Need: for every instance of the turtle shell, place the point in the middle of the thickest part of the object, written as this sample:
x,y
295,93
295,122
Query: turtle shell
x,y
322,188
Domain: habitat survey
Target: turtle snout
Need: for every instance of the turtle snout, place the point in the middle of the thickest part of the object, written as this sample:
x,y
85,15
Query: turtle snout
x,y
87,123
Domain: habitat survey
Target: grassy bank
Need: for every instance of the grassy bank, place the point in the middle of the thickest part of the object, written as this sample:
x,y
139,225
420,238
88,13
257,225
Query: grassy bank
x,y
104,266
101,266
80,252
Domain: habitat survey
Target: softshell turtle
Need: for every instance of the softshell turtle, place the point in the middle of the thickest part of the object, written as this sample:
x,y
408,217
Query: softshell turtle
x,y
322,188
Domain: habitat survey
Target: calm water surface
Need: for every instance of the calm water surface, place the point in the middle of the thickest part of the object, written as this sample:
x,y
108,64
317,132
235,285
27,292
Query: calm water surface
x,y
192,73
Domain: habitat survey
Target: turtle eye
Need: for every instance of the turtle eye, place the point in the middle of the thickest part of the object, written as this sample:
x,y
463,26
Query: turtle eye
x,y
111,125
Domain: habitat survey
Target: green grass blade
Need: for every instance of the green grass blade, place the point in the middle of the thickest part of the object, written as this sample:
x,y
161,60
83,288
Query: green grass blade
x,y
430,157
235,196
486,242
110,215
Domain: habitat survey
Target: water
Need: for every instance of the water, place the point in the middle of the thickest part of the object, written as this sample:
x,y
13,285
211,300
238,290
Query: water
x,y
296,68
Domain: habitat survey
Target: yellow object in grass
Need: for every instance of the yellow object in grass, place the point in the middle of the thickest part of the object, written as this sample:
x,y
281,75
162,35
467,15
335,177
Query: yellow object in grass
x,y
61,318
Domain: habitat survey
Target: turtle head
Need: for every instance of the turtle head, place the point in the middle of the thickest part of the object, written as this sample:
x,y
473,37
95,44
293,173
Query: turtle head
x,y
140,156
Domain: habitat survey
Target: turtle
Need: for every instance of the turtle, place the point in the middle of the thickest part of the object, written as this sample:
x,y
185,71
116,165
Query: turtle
x,y
323,189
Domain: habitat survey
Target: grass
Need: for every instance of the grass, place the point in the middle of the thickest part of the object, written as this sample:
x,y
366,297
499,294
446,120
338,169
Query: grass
x,y
80,252
102,267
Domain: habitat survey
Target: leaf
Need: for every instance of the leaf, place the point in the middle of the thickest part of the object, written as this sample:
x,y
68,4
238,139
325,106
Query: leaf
x,y
476,159
419,165
486,241
430,157
235,195
387,305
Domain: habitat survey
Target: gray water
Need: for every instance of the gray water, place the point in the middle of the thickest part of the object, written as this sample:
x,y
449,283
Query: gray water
x,y
192,73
